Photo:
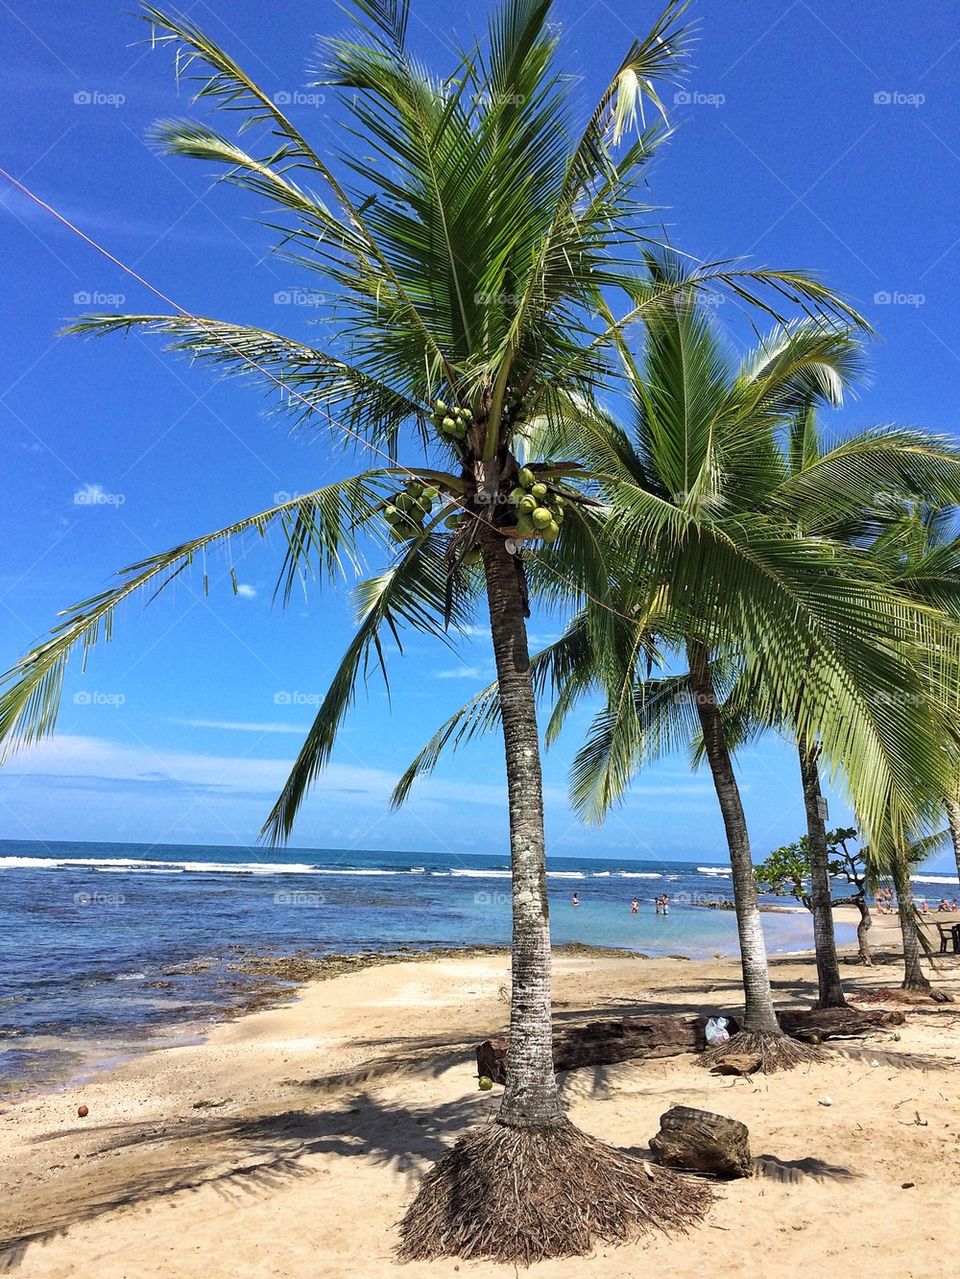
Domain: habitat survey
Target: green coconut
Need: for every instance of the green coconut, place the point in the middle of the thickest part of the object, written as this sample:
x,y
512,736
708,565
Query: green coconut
x,y
391,514
448,423
539,491
453,521
516,496
440,407
431,493
528,503
415,489
404,502
473,555
541,517
486,1083
526,477
551,532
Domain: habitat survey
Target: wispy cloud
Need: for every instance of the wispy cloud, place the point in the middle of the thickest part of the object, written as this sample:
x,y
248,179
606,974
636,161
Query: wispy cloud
x,y
69,760
242,726
459,672
246,592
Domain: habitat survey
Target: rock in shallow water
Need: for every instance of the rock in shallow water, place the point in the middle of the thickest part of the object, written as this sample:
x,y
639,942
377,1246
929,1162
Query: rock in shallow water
x,y
699,1141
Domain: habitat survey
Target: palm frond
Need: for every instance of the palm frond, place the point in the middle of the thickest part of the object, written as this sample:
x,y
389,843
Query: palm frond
x,y
318,529
415,592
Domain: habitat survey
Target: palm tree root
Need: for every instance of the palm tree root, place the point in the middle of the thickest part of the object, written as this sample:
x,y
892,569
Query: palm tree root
x,y
772,1051
520,1195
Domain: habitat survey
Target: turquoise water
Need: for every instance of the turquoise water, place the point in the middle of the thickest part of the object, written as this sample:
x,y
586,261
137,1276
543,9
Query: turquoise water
x,y
94,934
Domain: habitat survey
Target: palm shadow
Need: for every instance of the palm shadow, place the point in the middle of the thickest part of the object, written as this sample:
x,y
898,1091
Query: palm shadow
x,y
235,1155
793,1170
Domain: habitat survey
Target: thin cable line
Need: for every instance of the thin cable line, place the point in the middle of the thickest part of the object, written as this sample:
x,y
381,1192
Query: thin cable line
x,y
201,322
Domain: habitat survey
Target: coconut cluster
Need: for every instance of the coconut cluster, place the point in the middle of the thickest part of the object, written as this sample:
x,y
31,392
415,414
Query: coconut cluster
x,y
539,510
406,513
451,421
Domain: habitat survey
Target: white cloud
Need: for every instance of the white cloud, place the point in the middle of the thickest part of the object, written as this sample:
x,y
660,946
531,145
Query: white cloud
x,y
246,592
460,672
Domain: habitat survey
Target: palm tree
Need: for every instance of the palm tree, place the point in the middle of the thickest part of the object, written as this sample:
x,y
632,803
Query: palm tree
x,y
919,550
722,562
483,254
953,825
890,524
704,444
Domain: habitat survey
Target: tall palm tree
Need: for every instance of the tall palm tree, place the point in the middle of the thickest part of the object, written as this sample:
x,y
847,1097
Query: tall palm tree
x,y
714,566
482,250
919,549
953,825
902,528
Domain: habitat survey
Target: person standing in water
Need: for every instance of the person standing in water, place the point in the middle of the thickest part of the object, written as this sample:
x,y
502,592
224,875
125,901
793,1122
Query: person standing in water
x,y
635,906
575,899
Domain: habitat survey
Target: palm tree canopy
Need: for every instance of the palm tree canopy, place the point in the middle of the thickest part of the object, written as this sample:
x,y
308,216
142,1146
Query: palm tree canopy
x,y
486,253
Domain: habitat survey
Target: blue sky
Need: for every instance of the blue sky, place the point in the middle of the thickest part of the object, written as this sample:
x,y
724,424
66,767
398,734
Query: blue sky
x,y
807,137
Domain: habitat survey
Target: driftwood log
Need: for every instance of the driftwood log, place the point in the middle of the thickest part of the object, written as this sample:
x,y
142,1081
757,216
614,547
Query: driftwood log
x,y
828,1023
699,1141
601,1043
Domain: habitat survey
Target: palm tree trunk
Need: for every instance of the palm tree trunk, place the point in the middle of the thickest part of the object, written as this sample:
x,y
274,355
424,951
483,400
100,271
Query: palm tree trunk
x,y
760,1016
913,975
530,1098
532,1185
864,926
830,989
953,819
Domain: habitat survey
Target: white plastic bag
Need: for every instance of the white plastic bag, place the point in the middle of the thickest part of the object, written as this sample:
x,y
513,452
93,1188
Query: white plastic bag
x,y
716,1031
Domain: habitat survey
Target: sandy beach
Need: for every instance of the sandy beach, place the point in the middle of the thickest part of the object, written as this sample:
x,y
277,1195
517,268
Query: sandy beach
x,y
290,1141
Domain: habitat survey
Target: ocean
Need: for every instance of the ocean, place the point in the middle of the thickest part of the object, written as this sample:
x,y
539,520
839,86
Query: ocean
x,y
107,947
